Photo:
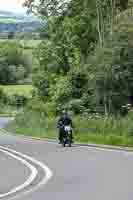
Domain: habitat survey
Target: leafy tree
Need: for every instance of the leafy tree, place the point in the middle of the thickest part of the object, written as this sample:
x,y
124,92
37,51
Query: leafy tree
x,y
14,65
85,59
114,70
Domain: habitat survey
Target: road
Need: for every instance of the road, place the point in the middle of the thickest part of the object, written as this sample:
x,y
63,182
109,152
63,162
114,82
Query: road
x,y
4,121
78,173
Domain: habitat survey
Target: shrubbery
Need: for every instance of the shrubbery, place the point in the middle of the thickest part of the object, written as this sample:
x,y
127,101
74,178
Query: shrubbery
x,y
11,103
15,65
17,100
94,128
3,97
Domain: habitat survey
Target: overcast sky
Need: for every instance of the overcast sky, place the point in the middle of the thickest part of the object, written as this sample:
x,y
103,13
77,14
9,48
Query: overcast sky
x,y
12,5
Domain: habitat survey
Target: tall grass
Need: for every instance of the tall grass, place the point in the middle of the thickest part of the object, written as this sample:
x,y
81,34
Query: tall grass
x,y
24,90
7,111
99,130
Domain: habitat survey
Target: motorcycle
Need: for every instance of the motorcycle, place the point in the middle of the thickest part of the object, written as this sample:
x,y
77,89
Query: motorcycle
x,y
67,138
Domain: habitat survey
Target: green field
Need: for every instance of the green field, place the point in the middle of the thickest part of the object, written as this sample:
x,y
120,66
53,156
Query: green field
x,y
18,89
30,43
8,21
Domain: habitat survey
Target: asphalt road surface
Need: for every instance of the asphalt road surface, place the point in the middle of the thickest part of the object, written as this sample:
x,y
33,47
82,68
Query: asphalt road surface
x,y
77,173
4,121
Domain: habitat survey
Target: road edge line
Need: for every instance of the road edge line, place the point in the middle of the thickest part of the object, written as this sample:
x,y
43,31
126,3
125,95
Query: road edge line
x,y
48,172
30,179
106,147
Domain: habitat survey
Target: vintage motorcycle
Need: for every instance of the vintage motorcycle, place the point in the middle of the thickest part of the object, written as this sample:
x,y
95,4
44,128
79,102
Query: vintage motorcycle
x,y
67,138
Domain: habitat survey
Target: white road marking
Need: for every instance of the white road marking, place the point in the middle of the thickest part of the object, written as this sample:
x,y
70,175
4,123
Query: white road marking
x,y
47,171
27,182
105,149
54,142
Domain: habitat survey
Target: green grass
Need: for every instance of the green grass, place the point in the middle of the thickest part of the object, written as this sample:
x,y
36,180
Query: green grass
x,y
7,111
98,131
31,43
10,90
7,21
17,89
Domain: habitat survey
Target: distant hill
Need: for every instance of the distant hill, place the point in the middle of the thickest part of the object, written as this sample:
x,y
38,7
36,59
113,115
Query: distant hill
x,y
14,22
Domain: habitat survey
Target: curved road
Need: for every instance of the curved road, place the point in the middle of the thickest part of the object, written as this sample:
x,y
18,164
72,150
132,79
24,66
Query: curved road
x,y
79,173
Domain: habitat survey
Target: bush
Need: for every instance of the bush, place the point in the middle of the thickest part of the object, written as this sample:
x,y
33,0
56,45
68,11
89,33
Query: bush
x,y
61,92
17,100
3,97
79,82
76,105
37,105
14,65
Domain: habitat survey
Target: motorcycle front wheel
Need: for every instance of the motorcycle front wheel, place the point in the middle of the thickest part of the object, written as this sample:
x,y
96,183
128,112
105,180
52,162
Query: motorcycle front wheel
x,y
64,143
70,143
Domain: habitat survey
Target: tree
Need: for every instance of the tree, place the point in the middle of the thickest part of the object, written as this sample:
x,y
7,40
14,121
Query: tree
x,y
13,65
71,59
47,7
114,70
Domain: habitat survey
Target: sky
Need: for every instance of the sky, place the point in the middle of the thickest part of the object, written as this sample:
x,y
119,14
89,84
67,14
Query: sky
x,y
12,5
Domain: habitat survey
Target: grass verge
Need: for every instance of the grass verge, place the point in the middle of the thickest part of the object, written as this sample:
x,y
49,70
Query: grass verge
x,y
24,90
98,131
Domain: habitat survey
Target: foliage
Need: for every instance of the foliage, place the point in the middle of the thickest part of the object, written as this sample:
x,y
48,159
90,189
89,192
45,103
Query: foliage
x,y
114,70
60,77
17,101
3,97
85,60
94,129
21,90
13,98
84,64
14,65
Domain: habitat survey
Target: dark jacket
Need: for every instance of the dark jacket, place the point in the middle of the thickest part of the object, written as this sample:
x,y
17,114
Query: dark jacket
x,y
64,122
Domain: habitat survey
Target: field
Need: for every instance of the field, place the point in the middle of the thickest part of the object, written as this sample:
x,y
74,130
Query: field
x,y
8,21
30,43
18,89
25,43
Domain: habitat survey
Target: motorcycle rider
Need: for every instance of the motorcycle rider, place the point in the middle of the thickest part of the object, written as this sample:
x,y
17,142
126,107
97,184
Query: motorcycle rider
x,y
63,121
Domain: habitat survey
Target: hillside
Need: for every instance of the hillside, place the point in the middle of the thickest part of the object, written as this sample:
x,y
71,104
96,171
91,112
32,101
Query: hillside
x,y
12,22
